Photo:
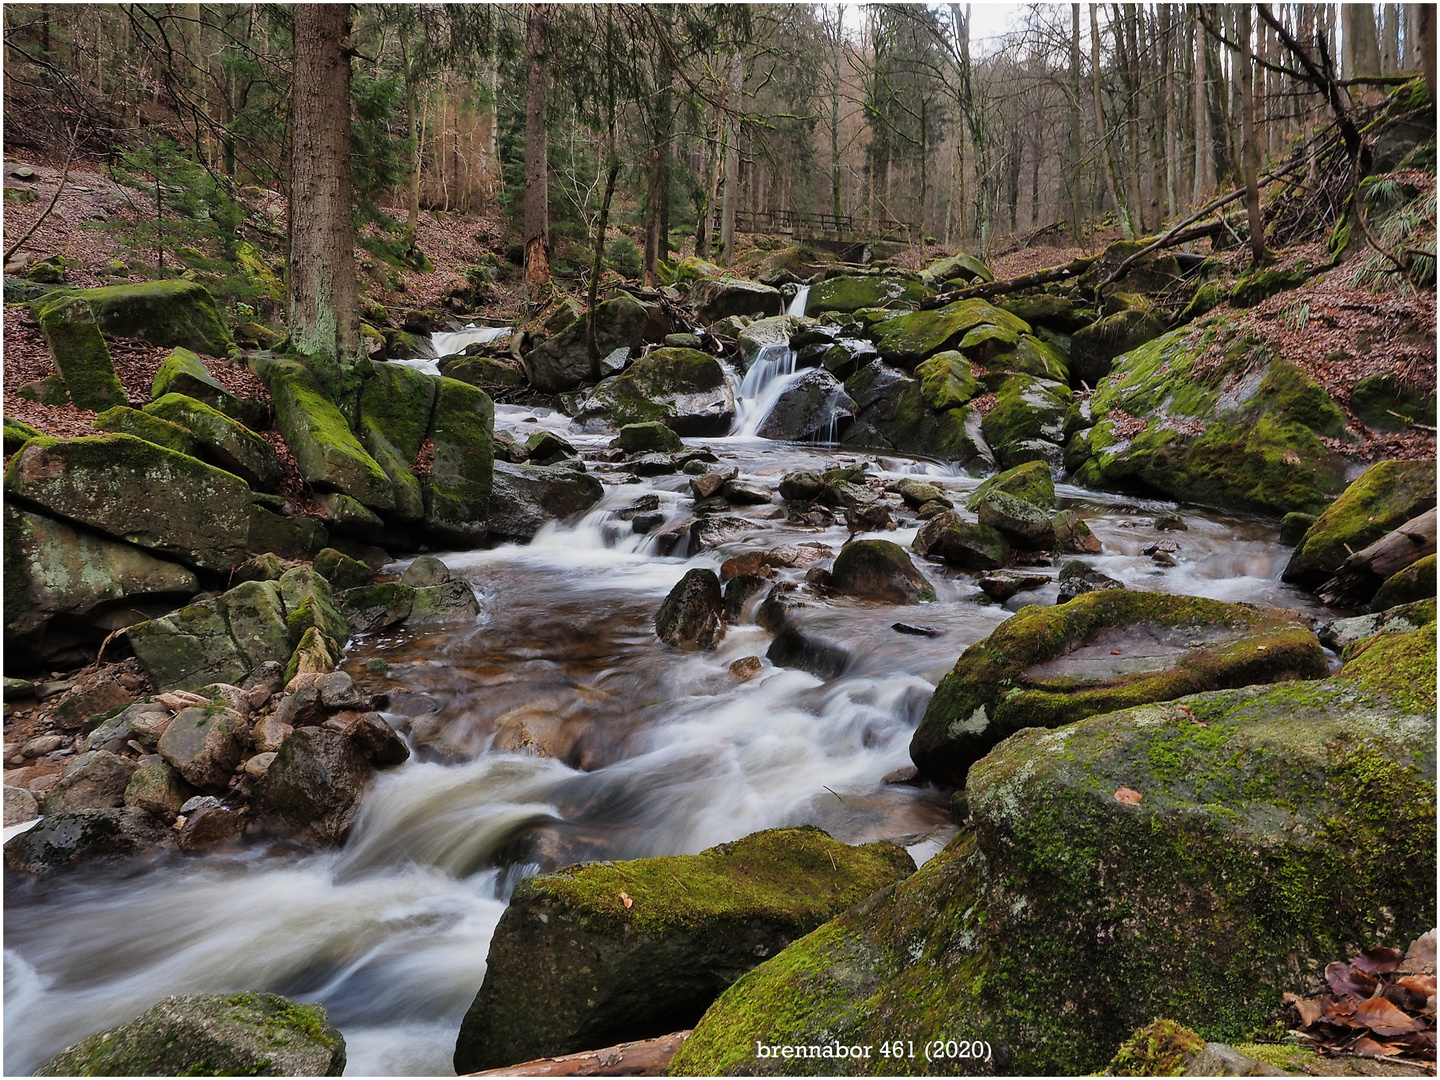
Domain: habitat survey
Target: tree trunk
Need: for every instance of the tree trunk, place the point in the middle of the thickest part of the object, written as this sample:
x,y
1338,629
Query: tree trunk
x,y
412,122
537,195
837,44
1250,155
1204,143
1075,178
323,299
732,161
1101,134
655,164
1427,45
612,153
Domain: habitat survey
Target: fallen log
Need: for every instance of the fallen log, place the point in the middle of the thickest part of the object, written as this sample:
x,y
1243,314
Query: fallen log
x,y
1070,269
1362,574
647,1057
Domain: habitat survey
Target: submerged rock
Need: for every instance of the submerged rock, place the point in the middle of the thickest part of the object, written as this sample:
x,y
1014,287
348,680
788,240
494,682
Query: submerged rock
x,y
633,949
814,406
525,497
211,1035
693,615
879,570
1101,847
1107,650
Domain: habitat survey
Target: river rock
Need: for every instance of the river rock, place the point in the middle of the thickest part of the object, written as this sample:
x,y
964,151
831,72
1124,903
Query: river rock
x,y
225,443
879,570
1030,482
1250,438
968,545
82,835
1385,496
891,414
684,388
1320,782
1020,522
814,406
1001,586
853,292
563,361
205,745
649,437
92,781
211,1034
342,571
133,490
1072,535
907,339
81,356
692,616
762,335
458,486
525,497
375,607
1415,582
158,788
1077,579
717,298
694,924
441,604
947,380
1027,410
1049,666
20,806
1343,634
315,783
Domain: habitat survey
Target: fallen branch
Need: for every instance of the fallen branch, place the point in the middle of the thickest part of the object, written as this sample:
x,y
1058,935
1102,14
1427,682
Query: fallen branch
x,y
64,175
1009,285
646,1058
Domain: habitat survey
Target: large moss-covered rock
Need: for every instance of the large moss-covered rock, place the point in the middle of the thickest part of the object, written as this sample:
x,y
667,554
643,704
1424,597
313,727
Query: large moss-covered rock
x,y
222,441
1030,482
142,425
814,406
869,291
80,354
397,407
1386,496
1259,833
957,267
1212,416
947,380
457,488
718,298
685,388
1387,403
136,491
609,971
908,339
17,434
1022,523
563,361
969,545
1093,348
326,450
892,414
53,570
173,313
1030,356
1414,583
525,497
879,570
1101,651
1027,410
184,373
211,1035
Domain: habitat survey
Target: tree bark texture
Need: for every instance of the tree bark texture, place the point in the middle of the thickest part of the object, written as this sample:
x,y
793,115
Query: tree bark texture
x,y
1250,155
536,225
323,296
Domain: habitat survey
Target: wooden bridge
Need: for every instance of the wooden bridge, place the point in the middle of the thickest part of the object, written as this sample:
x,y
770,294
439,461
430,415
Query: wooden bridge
x,y
845,229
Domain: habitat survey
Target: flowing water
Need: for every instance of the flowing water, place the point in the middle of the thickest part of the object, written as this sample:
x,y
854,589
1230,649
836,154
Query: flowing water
x,y
651,751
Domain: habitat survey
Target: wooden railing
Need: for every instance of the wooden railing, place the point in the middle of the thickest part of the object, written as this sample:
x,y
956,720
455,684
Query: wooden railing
x,y
805,226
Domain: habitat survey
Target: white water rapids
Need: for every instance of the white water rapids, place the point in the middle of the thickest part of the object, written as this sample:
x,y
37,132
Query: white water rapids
x,y
657,752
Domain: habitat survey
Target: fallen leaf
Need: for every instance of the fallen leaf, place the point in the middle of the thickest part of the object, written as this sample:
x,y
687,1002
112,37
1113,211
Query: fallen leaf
x,y
1383,1018
1128,796
1114,652
1417,984
1308,1009
1377,961
625,899
1367,1047
1348,981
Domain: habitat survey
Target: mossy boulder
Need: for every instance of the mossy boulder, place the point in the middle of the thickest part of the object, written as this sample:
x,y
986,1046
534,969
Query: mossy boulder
x,y
211,1035
684,388
1385,403
486,372
814,406
907,339
1031,483
326,450
1043,310
81,357
524,498
692,616
1027,410
647,438
563,361
184,373
53,571
764,335
457,487
1271,829
716,298
947,380
136,491
222,441
204,745
609,971
1384,497
17,434
397,409
693,268
48,390
1226,423
1023,523
172,313
1105,650
146,426
1028,356
892,414
957,267
948,538
341,571
1414,583
1261,284
850,293
1093,348
879,570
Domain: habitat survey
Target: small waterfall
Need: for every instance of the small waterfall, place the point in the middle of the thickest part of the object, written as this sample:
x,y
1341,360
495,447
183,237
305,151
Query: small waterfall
x,y
797,305
772,371
447,344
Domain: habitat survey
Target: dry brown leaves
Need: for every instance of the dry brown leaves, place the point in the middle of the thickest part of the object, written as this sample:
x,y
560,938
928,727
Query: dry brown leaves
x,y
1125,425
1381,1004
983,404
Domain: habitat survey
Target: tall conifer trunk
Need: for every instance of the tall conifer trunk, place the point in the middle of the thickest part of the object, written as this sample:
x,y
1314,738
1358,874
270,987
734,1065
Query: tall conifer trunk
x,y
537,196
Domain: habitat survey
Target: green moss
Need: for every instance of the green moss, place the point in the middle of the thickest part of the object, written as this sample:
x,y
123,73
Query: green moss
x,y
1385,403
1031,356
80,354
649,387
1387,495
1160,1048
870,291
1030,482
1287,393
908,339
457,488
981,343
1041,309
1415,582
399,402
1027,408
1258,285
142,425
175,312
960,266
1207,298
18,434
1398,666
947,380
1286,1056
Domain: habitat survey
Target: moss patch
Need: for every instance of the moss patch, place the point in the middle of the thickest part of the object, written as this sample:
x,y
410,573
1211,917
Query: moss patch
x,y
908,339
80,354
852,293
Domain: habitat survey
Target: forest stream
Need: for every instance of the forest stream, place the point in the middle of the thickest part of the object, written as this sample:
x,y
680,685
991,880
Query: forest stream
x,y
655,751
